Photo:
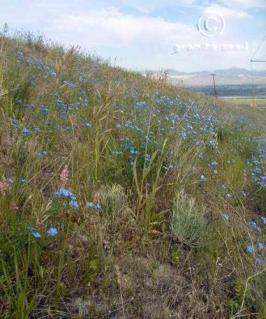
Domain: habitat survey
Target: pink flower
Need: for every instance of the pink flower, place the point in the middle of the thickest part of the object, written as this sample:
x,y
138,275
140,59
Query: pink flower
x,y
4,186
64,176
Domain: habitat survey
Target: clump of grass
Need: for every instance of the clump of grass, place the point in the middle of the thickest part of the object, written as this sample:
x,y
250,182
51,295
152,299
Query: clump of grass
x,y
113,199
189,222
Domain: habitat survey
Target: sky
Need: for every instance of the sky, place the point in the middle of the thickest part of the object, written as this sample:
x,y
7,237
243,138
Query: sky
x,y
185,35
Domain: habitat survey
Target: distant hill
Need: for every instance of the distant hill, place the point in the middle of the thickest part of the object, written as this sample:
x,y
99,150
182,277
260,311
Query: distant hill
x,y
233,76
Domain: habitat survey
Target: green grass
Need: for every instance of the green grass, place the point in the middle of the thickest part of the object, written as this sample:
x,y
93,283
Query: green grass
x,y
167,173
249,102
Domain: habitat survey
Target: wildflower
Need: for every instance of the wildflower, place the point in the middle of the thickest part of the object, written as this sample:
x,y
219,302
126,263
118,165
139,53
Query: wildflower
x,y
214,164
4,186
42,154
52,232
260,246
88,125
65,193
184,135
255,227
74,204
52,73
98,206
64,176
10,181
15,123
26,132
226,217
90,205
23,180
263,220
259,260
44,109
203,178
250,249
34,232
215,172
133,150
141,105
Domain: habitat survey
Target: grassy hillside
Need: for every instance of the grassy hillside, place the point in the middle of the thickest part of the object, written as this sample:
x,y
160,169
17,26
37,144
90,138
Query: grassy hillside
x,y
123,197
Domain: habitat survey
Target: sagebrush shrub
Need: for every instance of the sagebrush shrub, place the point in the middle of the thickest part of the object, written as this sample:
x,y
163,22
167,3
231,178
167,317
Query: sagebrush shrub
x,y
189,223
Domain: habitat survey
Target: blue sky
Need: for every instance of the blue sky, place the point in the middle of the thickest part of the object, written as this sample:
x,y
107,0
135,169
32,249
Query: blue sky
x,y
149,34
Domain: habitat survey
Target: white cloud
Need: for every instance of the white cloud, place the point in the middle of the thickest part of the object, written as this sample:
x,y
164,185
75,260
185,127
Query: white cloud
x,y
138,41
244,4
110,27
226,12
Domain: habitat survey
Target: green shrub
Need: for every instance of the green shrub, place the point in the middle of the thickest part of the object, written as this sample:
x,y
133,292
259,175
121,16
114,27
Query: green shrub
x,y
189,223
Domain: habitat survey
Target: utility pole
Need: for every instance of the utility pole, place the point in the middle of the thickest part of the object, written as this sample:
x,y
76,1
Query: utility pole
x,y
214,85
257,60
254,100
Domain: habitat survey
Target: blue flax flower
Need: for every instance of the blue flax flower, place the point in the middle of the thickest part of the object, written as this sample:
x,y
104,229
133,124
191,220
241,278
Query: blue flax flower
x,y
74,204
26,132
90,205
259,260
255,227
226,217
65,193
214,164
52,232
250,249
34,232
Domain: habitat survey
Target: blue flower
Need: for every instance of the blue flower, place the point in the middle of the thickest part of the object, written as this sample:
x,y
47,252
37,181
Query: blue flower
x,y
141,105
52,232
10,181
226,217
263,220
44,109
259,260
133,150
260,246
88,125
36,235
74,204
23,181
203,178
250,249
90,205
214,164
26,132
255,227
184,135
34,232
65,193
98,206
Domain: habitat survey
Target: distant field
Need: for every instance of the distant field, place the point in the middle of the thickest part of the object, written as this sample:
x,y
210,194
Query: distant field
x,y
248,102
236,91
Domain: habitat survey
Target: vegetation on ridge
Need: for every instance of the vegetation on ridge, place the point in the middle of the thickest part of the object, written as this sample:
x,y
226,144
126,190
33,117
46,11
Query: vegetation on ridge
x,y
124,197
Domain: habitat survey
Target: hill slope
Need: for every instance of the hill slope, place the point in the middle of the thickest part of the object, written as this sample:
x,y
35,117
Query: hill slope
x,y
123,197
